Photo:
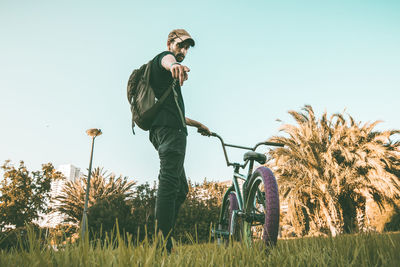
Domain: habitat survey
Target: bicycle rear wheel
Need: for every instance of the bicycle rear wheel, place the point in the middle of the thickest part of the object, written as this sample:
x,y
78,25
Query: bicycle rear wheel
x,y
262,207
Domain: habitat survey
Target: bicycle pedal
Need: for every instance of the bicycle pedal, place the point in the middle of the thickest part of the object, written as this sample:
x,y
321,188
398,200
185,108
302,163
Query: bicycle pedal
x,y
258,218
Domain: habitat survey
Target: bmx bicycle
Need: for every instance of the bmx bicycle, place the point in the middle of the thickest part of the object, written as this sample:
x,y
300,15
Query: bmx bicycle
x,y
249,212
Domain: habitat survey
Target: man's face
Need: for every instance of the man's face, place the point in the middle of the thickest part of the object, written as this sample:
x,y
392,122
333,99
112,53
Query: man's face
x,y
179,49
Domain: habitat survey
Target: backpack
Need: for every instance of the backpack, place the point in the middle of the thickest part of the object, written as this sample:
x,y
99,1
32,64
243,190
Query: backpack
x,y
144,104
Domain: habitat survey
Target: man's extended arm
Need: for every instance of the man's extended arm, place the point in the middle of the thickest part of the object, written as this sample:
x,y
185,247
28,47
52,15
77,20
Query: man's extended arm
x,y
201,128
177,70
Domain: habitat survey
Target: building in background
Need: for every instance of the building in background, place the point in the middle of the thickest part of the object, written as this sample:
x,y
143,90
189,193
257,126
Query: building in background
x,y
54,218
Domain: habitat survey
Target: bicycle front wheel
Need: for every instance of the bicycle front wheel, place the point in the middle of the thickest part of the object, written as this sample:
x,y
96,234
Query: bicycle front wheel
x,y
262,207
231,205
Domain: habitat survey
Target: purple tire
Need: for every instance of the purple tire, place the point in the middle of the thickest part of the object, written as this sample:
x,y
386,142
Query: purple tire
x,y
234,205
230,205
263,198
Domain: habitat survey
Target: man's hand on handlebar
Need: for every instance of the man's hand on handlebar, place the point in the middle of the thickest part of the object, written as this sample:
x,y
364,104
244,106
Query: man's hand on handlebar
x,y
203,130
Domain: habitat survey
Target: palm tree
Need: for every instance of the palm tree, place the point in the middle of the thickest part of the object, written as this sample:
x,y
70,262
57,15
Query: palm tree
x,y
102,186
329,167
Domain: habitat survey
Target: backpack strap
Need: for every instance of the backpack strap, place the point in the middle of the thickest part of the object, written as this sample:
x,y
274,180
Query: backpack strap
x,y
166,93
179,109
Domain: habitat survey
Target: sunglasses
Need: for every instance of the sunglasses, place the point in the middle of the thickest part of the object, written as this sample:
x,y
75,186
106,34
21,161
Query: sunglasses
x,y
182,44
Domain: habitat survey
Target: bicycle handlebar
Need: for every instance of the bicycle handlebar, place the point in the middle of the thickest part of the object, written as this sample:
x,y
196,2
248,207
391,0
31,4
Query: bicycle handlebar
x,y
248,148
269,144
242,147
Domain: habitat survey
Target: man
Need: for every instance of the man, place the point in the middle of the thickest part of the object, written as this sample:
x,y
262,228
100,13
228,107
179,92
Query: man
x,y
168,132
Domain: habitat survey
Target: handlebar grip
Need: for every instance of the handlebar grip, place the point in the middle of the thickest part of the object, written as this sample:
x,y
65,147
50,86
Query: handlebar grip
x,y
274,144
213,134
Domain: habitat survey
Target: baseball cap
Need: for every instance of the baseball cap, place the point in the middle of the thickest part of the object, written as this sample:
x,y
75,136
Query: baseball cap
x,y
181,35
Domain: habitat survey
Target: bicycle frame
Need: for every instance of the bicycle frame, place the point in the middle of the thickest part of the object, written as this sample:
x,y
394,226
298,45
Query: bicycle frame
x,y
236,175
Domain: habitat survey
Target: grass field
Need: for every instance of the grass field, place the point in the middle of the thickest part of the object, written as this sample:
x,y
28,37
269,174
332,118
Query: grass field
x,y
345,250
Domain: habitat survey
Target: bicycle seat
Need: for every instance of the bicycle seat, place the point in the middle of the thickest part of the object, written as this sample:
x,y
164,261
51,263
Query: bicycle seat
x,y
251,155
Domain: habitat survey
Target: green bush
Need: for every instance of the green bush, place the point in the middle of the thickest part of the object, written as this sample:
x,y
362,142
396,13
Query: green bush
x,y
199,212
106,212
19,237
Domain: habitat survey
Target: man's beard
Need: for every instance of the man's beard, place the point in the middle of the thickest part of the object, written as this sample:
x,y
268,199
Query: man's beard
x,y
180,57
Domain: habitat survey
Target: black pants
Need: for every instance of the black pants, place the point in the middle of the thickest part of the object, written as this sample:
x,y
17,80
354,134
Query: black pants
x,y
173,188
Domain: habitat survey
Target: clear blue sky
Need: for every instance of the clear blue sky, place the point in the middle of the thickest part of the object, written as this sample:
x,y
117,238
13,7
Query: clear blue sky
x,y
64,66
